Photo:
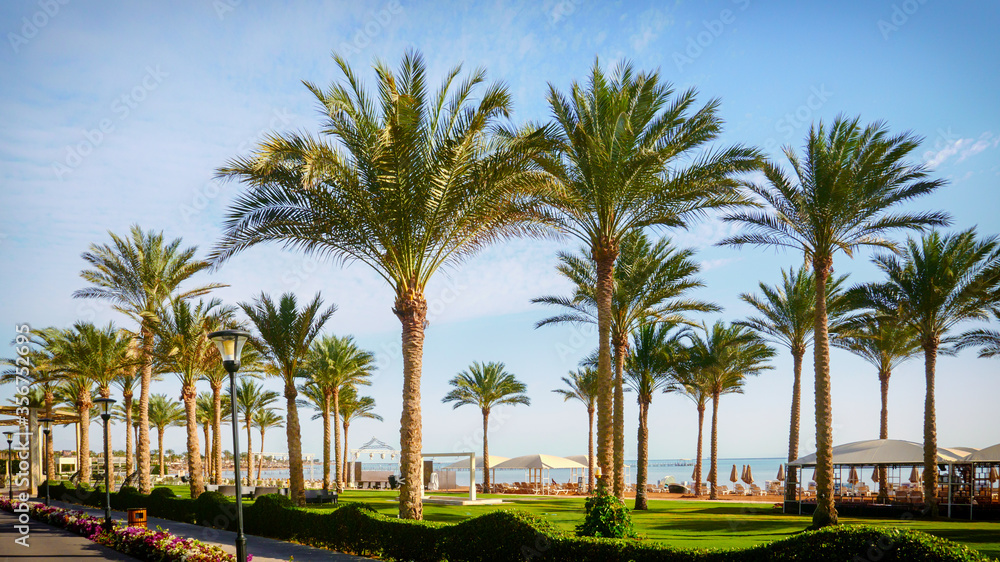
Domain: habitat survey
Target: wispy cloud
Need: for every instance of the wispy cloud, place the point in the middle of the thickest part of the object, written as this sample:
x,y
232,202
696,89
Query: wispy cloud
x,y
963,148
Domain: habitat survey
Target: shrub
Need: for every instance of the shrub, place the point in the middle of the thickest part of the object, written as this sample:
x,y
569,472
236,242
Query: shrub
x,y
607,516
213,509
505,534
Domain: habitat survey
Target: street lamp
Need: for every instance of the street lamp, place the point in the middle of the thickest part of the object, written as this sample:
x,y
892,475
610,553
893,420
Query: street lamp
x,y
10,455
47,428
105,404
230,344
136,425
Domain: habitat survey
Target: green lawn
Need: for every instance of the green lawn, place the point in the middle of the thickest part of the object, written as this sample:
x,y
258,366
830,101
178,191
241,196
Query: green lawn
x,y
686,524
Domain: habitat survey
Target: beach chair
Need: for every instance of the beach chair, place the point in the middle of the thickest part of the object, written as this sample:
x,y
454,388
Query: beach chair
x,y
739,490
755,490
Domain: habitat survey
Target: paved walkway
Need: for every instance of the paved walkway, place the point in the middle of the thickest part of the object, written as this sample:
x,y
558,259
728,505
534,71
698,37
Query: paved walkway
x,y
50,543
262,549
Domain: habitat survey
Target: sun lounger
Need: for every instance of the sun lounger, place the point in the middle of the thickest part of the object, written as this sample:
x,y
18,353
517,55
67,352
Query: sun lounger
x,y
739,490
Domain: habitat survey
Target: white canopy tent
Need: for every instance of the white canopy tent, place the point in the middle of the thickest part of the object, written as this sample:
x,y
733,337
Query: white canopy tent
x,y
537,464
987,461
464,465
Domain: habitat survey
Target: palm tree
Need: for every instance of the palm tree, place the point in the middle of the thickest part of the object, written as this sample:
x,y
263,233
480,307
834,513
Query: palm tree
x,y
582,385
650,284
76,391
693,383
163,413
842,199
884,343
335,363
127,383
264,420
627,156
408,183
137,275
251,400
283,336
787,317
938,283
723,359
204,415
486,385
984,338
353,407
649,369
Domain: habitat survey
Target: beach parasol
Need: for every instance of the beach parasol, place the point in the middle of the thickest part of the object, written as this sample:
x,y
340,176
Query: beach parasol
x,y
852,478
914,476
732,477
875,474
781,473
749,475
694,474
994,475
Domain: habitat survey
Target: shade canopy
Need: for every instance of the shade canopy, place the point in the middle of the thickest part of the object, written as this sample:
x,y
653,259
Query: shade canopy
x,y
989,454
539,461
878,451
582,459
464,463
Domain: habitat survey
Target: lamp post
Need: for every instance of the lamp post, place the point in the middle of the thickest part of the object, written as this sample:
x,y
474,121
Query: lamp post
x,y
230,344
47,428
105,404
10,455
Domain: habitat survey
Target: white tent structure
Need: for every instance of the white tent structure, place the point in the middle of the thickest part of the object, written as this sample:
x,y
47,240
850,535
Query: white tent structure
x,y
464,465
582,459
536,465
879,452
984,471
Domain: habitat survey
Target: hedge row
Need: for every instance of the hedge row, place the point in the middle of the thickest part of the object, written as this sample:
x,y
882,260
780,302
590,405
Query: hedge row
x,y
506,535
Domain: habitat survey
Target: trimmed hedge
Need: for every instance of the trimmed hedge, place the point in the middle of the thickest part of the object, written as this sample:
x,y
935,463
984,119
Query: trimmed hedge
x,y
505,535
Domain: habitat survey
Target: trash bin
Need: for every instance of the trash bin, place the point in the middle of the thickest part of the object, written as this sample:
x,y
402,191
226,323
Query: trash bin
x,y
137,517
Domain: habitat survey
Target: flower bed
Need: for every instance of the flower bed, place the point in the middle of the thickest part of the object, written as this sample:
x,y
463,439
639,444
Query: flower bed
x,y
144,544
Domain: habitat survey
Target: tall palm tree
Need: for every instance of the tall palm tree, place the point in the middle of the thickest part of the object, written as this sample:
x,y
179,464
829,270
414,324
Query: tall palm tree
x,y
582,385
251,400
163,413
843,198
629,154
354,407
938,283
283,336
137,274
724,357
694,384
127,383
651,281
204,415
76,391
884,343
335,363
486,385
649,369
405,182
264,420
787,317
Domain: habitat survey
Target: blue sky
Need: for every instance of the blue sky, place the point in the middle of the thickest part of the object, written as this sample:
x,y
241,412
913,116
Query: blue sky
x,y
119,113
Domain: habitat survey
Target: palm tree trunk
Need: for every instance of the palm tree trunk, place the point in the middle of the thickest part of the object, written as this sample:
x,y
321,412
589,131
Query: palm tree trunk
x,y
208,452
142,447
83,408
640,470
345,460
338,475
249,421
605,260
486,452
411,309
590,450
127,403
217,431
826,511
296,483
930,346
697,462
50,458
196,480
793,431
883,433
260,457
620,347
326,442
713,472
159,442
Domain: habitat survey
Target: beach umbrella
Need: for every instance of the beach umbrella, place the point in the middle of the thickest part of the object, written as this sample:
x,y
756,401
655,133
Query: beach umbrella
x,y
749,475
694,473
914,476
781,473
852,479
875,474
743,474
732,477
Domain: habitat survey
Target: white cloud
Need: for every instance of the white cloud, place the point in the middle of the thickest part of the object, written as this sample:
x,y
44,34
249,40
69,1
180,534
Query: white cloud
x,y
964,148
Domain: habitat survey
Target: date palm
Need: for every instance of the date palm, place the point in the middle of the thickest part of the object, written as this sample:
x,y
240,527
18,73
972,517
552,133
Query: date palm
x,y
649,369
404,181
723,357
694,384
650,285
250,364
486,385
582,385
137,274
844,197
354,407
163,413
76,391
986,339
251,400
283,334
204,415
630,154
264,420
335,363
787,317
938,283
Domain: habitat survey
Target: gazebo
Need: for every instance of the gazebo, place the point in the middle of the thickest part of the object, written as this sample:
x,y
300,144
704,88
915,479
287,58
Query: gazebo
x,y
536,465
464,464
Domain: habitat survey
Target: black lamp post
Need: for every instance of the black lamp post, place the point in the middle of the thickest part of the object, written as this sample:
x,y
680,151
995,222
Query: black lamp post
x,y
47,428
10,455
136,425
106,404
230,344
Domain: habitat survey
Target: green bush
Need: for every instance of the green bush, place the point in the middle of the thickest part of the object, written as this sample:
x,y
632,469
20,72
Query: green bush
x,y
607,516
213,509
